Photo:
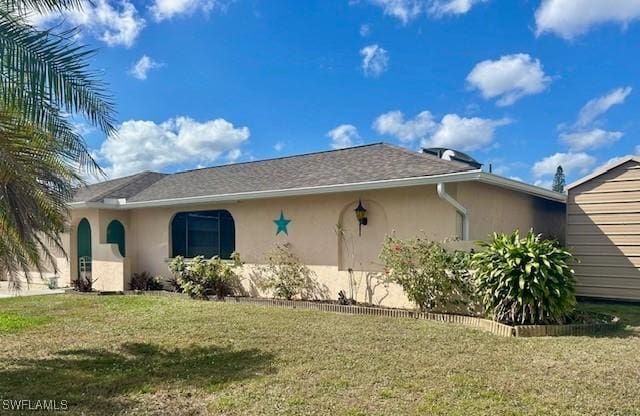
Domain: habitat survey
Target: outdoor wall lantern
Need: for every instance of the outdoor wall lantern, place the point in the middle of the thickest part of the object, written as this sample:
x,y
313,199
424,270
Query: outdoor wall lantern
x,y
361,215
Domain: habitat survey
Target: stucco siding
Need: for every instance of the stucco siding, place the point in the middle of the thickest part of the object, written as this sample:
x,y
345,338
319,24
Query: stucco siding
x,y
603,231
493,209
323,233
313,230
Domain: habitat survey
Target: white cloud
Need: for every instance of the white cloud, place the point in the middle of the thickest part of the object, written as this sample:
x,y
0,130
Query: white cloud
x,y
463,133
601,105
441,8
278,146
452,131
374,60
583,134
140,69
145,145
166,9
570,18
403,10
591,139
365,30
544,183
233,155
113,23
394,124
638,150
570,162
408,10
509,78
345,135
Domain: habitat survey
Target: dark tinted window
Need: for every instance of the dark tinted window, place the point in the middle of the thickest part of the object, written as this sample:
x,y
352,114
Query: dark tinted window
x,y
203,233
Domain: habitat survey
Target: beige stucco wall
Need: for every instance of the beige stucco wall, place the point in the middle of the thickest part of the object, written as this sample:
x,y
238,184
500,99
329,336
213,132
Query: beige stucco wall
x,y
323,232
107,264
494,209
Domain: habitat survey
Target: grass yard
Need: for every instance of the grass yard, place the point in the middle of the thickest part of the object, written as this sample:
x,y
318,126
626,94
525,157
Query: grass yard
x,y
148,355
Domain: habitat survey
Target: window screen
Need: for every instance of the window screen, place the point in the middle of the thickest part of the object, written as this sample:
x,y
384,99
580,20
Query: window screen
x,y
203,233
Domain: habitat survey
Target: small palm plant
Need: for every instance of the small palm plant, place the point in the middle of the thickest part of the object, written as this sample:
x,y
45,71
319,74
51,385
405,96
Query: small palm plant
x,y
44,80
524,280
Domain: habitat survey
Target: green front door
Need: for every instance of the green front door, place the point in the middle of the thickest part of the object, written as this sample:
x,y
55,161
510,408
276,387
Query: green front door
x,y
84,246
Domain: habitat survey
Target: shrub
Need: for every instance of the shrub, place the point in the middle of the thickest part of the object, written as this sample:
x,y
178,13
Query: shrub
x,y
344,300
174,284
144,281
284,275
83,284
524,280
201,278
432,277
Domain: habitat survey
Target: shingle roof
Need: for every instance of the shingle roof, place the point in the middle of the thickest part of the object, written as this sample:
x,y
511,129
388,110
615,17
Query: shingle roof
x,y
124,187
366,163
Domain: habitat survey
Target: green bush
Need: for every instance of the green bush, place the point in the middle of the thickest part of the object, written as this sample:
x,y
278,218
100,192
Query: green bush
x,y
201,278
284,275
524,280
431,276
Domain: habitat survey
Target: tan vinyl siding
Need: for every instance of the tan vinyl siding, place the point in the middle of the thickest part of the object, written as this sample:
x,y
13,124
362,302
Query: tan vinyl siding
x,y
603,232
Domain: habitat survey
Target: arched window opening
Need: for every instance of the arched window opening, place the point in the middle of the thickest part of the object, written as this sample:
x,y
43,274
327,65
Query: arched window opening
x,y
115,235
203,233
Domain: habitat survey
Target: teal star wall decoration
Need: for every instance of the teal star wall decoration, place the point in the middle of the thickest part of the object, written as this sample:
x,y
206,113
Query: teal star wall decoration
x,y
282,223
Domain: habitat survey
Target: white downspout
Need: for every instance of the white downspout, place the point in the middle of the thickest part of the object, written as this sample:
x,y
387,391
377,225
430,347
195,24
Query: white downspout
x,y
442,193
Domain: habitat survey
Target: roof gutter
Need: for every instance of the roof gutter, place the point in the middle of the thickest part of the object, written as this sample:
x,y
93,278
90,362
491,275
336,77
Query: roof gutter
x,y
468,176
442,193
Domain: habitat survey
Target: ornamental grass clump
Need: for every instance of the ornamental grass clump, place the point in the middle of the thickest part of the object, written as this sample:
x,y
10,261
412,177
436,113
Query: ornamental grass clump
x,y
524,280
432,277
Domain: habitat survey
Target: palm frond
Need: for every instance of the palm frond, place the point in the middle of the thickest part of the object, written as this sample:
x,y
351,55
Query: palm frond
x,y
39,67
40,6
37,174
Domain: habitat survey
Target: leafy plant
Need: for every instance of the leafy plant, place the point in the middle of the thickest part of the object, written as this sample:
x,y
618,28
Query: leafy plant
x,y
344,300
144,281
174,284
45,82
284,275
524,280
432,277
83,284
201,278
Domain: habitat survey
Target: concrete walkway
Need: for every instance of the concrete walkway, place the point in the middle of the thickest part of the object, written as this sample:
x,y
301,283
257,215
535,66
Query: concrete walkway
x,y
27,290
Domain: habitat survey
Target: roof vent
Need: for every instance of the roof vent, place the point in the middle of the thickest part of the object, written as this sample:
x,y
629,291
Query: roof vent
x,y
451,154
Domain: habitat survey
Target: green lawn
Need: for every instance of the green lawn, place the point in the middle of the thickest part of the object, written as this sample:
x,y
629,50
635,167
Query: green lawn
x,y
148,355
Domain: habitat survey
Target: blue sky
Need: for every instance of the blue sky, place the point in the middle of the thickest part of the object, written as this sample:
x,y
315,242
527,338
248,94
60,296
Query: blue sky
x,y
524,85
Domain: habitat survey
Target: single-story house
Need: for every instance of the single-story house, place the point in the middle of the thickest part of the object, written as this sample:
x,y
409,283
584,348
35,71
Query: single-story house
x,y
138,223
603,231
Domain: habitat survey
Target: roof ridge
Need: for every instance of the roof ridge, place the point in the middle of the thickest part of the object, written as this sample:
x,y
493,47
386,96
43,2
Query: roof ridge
x,y
131,178
426,155
286,157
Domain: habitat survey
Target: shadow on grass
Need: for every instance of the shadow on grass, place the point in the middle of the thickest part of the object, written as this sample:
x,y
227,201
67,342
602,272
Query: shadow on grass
x,y
629,314
98,380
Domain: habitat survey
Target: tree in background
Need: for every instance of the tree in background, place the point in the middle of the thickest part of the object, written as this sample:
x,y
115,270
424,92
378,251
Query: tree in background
x,y
559,180
45,80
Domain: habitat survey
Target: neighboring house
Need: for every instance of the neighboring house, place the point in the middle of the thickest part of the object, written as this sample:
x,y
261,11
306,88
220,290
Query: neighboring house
x,y
139,222
603,230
